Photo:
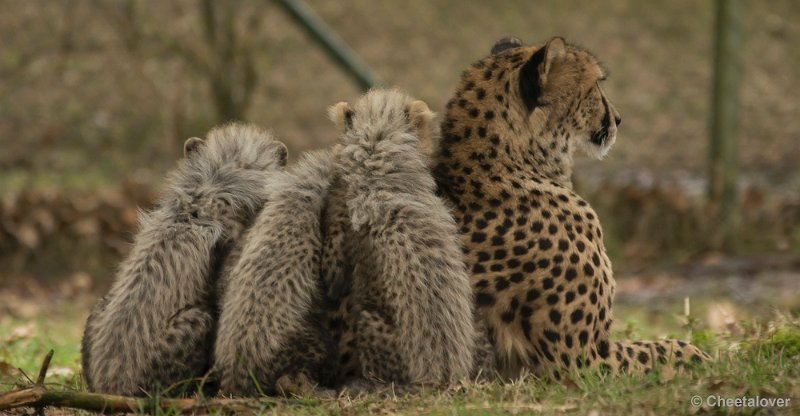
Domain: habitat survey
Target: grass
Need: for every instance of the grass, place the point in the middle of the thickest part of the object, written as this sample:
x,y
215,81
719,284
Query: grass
x,y
755,357
24,343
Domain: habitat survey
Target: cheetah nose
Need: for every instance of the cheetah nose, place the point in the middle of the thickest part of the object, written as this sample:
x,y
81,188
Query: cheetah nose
x,y
618,119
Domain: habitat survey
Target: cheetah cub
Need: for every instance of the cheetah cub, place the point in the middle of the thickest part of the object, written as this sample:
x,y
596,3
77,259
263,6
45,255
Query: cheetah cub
x,y
270,337
154,329
412,303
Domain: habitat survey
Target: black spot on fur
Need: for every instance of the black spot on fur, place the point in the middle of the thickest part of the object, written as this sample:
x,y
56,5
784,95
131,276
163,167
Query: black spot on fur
x,y
576,316
500,284
583,338
552,336
602,349
484,299
507,316
570,274
555,316
569,297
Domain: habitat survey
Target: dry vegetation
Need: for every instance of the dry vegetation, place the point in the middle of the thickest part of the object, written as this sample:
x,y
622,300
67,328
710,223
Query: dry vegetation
x,y
110,87
101,93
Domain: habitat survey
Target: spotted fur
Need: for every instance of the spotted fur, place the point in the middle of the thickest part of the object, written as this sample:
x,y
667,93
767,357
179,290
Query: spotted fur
x,y
534,248
155,327
270,320
392,249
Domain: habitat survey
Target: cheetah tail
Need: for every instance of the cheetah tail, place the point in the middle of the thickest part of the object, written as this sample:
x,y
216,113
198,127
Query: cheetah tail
x,y
643,356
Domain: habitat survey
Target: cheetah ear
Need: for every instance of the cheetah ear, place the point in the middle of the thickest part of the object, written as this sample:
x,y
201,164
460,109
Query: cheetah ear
x,y
191,145
342,115
506,43
555,49
533,75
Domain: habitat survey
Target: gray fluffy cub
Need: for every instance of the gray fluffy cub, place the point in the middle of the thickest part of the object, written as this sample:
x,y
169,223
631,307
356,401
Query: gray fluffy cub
x,y
155,327
399,248
270,337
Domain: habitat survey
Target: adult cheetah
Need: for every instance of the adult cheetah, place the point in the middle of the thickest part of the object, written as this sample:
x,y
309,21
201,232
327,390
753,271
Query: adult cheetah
x,y
535,249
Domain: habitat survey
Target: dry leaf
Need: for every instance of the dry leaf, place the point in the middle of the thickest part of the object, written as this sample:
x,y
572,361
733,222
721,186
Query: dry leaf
x,y
44,219
20,332
60,371
86,227
569,384
27,235
715,386
7,372
768,391
721,316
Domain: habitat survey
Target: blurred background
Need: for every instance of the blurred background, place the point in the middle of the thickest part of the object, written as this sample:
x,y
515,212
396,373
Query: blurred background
x,y
97,97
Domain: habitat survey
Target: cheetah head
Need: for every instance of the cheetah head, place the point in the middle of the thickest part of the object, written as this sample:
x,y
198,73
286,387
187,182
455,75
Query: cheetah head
x,y
221,178
383,110
237,145
543,101
558,86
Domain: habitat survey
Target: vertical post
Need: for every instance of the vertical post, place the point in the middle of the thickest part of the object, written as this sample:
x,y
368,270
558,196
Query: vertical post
x,y
333,44
724,119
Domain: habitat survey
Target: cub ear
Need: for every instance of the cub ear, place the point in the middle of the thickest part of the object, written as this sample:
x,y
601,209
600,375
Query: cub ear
x,y
191,145
420,114
506,43
423,119
342,115
533,75
281,153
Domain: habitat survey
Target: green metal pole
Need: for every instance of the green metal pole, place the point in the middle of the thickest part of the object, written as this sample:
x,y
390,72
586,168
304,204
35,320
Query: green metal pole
x,y
725,117
332,43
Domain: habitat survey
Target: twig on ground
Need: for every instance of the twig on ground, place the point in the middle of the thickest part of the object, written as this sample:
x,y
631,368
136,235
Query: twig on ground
x,y
38,396
26,375
44,367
